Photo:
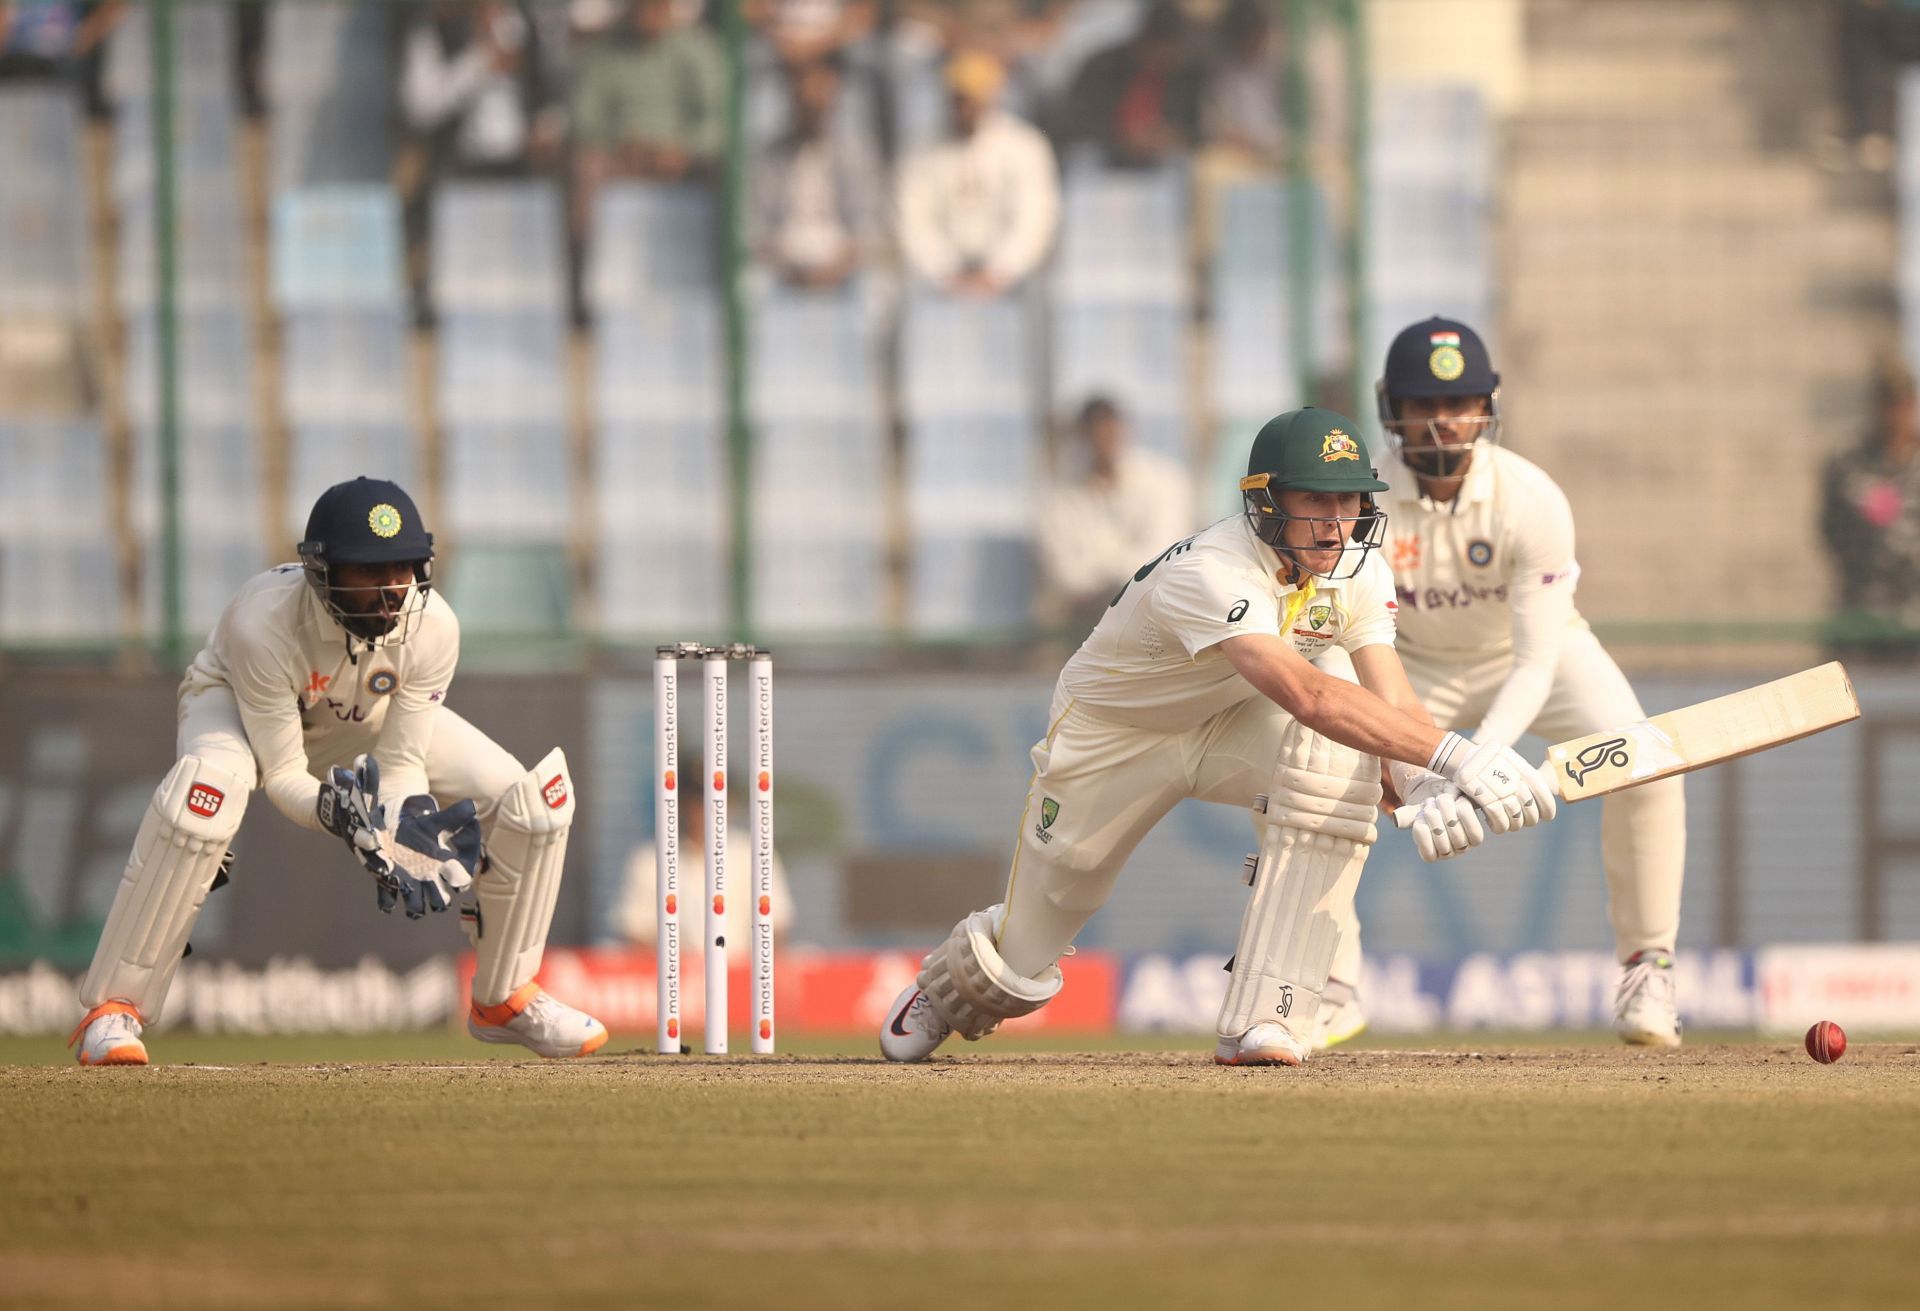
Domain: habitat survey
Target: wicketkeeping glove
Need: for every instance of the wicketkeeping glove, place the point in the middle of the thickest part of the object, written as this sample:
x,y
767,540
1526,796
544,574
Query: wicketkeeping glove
x,y
434,854
349,808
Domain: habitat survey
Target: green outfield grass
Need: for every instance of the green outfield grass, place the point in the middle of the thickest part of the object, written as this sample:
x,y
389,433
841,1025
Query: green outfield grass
x,y
431,1173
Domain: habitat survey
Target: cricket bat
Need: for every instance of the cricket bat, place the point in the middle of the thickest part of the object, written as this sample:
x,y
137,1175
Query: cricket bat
x,y
1696,736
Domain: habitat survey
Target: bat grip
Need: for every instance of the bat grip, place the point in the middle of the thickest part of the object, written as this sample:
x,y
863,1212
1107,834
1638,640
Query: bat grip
x,y
1403,815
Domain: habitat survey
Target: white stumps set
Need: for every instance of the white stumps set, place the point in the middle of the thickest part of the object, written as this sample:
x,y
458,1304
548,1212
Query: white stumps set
x,y
714,661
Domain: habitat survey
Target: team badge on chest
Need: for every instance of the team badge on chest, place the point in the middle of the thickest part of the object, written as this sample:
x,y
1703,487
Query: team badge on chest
x,y
382,681
1480,553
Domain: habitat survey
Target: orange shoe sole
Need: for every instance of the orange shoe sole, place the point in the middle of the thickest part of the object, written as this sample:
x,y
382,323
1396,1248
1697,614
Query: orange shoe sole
x,y
593,1044
119,1056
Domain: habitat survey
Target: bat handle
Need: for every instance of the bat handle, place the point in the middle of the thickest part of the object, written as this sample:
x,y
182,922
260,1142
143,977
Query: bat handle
x,y
1403,815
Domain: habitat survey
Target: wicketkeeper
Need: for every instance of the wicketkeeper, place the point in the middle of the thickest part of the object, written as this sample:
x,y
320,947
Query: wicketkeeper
x,y
324,683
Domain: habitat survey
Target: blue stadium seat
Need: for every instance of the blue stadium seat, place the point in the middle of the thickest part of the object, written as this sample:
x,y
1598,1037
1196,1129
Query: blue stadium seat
x,y
499,245
337,246
812,355
1123,235
660,360
1134,353
223,537
970,584
45,269
964,356
503,480
983,470
58,577
809,579
503,367
215,370
661,491
647,239
345,366
323,452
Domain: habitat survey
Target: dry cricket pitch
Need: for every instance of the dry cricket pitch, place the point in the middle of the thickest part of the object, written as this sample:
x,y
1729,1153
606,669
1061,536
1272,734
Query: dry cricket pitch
x,y
1721,1175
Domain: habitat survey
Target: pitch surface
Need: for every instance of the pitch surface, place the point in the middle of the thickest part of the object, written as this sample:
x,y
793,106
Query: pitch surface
x,y
1473,1177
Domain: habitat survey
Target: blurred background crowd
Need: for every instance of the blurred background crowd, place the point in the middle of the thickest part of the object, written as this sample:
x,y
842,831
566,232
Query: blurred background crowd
x,y
836,319
894,333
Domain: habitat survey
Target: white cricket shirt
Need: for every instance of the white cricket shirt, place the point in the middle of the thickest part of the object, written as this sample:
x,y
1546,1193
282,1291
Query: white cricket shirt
x,y
1153,660
309,699
1493,570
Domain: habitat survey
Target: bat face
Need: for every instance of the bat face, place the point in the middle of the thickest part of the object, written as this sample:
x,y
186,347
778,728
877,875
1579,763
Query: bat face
x,y
1696,736
1614,759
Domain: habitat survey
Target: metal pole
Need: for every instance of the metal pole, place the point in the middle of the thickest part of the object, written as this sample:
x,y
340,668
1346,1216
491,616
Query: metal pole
x,y
166,344
732,266
1360,146
1300,253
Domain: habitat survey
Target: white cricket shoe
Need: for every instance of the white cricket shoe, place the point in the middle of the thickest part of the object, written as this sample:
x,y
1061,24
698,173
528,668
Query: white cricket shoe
x,y
1341,1016
913,1028
109,1034
1265,1043
536,1021
1644,1011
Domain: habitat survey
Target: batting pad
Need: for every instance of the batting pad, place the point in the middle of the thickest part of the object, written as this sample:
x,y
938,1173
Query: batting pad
x,y
972,988
183,837
525,852
1318,832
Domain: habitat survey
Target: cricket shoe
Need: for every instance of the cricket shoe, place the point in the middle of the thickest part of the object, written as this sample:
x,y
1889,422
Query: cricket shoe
x,y
1644,1011
1265,1043
1341,1016
110,1035
913,1028
536,1021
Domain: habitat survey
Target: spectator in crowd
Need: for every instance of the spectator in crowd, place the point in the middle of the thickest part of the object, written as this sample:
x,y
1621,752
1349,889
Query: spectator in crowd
x,y
649,102
43,38
1244,112
805,31
816,192
470,87
1122,507
637,917
1140,100
978,211
1871,519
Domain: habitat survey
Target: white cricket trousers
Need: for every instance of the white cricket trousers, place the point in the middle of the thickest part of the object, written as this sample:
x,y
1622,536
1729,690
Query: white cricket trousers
x,y
1098,788
462,761
1643,831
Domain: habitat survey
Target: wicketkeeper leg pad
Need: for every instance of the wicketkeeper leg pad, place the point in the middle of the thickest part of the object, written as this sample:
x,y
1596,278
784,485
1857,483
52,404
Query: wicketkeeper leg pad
x,y
1319,829
972,988
183,838
526,847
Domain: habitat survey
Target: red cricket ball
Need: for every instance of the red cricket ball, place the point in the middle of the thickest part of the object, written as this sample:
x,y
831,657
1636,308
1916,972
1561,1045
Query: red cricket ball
x,y
1826,1042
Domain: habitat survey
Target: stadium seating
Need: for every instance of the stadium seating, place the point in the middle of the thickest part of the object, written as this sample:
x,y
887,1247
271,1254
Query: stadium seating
x,y
973,450
1120,298
45,271
498,245
1907,182
58,577
660,489
819,472
1430,177
330,81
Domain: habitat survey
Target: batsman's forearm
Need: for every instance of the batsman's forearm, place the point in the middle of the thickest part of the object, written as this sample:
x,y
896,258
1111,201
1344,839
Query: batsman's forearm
x,y
1333,707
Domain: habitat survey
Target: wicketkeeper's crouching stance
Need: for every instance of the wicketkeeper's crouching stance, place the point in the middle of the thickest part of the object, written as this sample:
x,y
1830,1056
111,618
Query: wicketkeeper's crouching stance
x,y
324,683
1197,683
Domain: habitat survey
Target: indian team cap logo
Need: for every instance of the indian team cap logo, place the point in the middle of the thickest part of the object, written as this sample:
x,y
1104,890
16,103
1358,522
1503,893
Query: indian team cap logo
x,y
384,520
382,681
1446,363
1480,553
1336,445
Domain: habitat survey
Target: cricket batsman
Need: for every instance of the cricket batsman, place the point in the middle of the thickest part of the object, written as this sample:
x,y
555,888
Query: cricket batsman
x,y
1197,682
324,683
1481,545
